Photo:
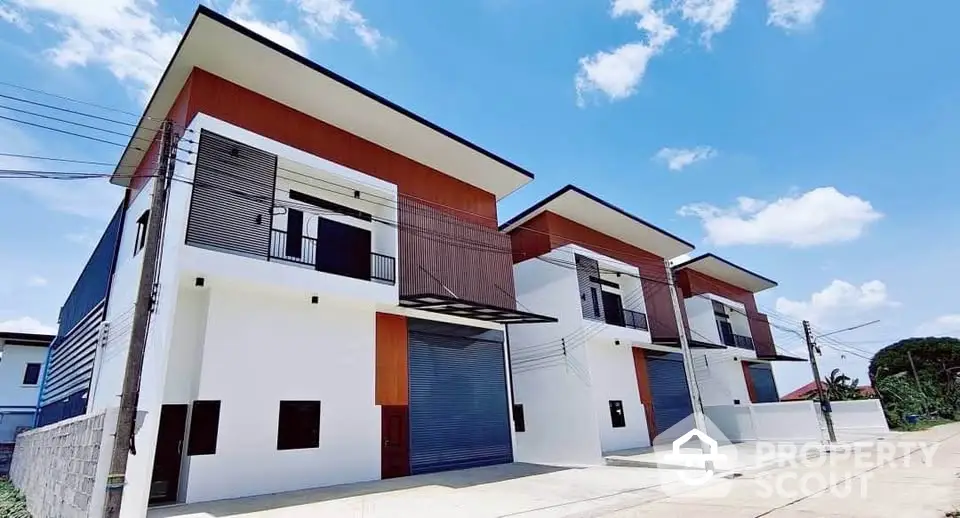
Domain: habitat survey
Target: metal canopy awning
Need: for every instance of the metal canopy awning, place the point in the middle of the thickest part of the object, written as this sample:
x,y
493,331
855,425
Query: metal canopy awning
x,y
780,358
694,344
475,310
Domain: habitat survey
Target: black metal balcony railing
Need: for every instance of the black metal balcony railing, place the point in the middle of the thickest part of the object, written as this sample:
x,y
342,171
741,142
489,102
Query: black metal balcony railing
x,y
382,267
635,320
743,342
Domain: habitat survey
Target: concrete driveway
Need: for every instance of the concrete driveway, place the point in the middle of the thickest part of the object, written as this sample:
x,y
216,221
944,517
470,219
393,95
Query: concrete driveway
x,y
915,482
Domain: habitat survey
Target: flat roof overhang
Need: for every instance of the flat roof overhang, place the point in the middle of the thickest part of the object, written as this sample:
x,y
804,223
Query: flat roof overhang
x,y
577,205
229,50
28,339
721,269
467,309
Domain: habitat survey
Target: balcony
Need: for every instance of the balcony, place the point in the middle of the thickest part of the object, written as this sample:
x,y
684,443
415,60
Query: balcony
x,y
330,258
634,320
743,342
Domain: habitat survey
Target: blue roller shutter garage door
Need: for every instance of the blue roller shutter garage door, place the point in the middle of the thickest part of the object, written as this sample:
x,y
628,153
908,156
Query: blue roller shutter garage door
x,y
764,386
668,387
458,398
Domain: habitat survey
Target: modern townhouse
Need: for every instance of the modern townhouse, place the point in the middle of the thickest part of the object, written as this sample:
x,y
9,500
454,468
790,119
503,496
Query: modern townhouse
x,y
609,375
720,306
333,291
603,273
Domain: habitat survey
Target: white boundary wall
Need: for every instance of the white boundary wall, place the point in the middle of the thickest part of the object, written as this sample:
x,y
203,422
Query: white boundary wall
x,y
860,419
793,421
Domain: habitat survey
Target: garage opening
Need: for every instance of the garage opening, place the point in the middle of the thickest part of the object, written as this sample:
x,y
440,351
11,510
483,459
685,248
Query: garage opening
x,y
669,390
459,415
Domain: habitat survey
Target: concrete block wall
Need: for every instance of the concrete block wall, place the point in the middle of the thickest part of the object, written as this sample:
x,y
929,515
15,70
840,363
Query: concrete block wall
x,y
61,468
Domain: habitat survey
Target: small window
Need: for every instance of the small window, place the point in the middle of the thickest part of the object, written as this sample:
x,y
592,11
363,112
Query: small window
x,y
141,238
596,303
204,428
518,423
31,375
616,414
299,425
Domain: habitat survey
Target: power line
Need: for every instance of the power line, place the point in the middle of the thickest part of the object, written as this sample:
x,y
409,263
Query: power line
x,y
65,98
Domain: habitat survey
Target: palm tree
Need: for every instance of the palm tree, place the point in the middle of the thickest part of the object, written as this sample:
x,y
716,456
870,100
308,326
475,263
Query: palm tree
x,y
840,387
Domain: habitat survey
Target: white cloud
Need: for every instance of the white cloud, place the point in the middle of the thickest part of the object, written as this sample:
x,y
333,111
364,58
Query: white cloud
x,y
15,17
122,35
26,325
280,32
36,281
679,158
945,325
713,15
823,215
793,14
618,72
325,16
95,199
837,301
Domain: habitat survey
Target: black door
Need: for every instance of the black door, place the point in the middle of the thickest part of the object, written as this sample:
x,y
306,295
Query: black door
x,y
166,463
343,249
612,309
395,433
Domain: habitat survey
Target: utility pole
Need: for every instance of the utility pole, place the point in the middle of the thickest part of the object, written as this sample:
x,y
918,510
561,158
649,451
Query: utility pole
x,y
123,440
821,394
698,417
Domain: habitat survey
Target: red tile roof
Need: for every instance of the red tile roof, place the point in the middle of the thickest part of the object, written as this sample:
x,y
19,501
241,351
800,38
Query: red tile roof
x,y
807,390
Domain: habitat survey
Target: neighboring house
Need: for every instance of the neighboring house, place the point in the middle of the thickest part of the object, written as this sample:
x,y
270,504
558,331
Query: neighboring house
x,y
22,356
809,391
333,291
720,308
607,376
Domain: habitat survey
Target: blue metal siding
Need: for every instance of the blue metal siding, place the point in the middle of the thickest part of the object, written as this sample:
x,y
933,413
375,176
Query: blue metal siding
x,y
70,360
668,386
459,416
94,281
764,386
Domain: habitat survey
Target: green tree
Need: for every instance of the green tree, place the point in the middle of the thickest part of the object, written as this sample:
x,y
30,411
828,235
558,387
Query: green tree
x,y
931,390
840,387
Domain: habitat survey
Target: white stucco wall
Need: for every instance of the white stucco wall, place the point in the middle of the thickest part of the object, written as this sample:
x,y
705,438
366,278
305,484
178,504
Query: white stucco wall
x,y
859,419
719,374
260,348
703,323
13,365
555,391
613,377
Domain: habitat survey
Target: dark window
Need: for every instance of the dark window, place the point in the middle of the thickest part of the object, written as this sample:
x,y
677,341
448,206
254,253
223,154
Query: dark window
x,y
204,428
294,243
726,333
612,309
596,303
31,375
141,238
299,425
519,425
329,205
616,414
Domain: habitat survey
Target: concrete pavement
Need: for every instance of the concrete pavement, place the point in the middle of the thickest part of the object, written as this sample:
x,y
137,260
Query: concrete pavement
x,y
908,475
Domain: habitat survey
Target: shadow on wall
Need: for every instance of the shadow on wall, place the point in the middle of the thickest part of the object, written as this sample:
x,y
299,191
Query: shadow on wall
x,y
451,479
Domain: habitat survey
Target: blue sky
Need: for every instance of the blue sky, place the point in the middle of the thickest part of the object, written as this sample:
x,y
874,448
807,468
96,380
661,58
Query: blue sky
x,y
812,141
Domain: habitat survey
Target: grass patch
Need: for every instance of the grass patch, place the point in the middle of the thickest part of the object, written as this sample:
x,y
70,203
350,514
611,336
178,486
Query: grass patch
x,y
12,502
924,424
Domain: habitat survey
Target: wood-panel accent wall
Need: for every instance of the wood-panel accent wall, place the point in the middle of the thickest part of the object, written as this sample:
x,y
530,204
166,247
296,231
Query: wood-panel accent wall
x,y
229,102
643,387
548,231
443,254
391,360
748,378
